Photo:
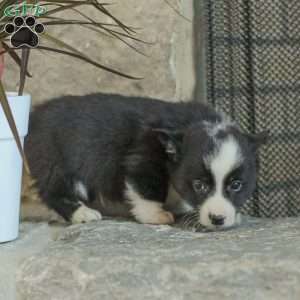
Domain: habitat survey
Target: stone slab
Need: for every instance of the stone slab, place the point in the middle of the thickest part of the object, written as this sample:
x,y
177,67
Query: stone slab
x,y
124,260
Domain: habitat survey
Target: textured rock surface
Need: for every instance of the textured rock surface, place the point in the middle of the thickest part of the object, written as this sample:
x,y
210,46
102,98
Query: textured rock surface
x,y
167,69
33,239
124,260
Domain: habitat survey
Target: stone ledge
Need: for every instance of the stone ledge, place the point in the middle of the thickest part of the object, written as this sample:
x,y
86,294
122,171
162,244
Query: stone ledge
x,y
33,238
125,260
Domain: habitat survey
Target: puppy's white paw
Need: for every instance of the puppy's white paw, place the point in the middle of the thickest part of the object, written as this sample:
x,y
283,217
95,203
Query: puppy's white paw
x,y
156,217
162,218
85,214
146,211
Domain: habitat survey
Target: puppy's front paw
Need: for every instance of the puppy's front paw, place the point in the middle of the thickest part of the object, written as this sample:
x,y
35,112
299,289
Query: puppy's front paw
x,y
156,217
85,214
164,217
147,211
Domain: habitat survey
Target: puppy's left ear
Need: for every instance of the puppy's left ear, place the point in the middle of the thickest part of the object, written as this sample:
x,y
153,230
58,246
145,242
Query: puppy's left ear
x,y
171,140
259,139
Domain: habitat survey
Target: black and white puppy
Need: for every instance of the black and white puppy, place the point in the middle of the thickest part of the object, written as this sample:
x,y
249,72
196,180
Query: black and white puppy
x,y
152,158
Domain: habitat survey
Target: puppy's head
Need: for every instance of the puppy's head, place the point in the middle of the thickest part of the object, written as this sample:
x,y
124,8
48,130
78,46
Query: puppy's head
x,y
213,168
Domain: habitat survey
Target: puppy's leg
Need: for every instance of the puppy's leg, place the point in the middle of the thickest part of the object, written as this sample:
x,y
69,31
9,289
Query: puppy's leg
x,y
146,211
73,210
84,214
69,200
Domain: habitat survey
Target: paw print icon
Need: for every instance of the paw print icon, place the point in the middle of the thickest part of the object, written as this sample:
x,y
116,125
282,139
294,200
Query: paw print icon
x,y
24,32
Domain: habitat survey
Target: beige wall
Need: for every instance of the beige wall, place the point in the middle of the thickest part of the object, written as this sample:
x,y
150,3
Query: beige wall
x,y
167,70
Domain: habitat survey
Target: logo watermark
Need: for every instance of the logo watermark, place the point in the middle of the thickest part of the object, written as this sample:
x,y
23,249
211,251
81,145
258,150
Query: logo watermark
x,y
24,9
24,29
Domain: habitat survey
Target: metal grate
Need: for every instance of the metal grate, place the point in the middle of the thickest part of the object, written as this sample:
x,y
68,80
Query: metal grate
x,y
253,74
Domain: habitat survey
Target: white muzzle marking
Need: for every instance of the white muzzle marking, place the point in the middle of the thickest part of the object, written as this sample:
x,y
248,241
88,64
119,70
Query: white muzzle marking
x,y
221,163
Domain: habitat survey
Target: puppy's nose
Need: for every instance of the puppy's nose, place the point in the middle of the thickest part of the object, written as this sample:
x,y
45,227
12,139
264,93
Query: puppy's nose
x,y
217,220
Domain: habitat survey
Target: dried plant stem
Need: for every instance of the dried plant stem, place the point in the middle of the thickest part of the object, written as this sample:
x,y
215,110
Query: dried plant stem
x,y
1,64
24,64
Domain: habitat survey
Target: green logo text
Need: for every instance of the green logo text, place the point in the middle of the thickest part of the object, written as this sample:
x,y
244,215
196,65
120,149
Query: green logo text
x,y
24,9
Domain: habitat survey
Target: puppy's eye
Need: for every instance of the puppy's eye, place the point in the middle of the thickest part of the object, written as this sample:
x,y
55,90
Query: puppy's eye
x,y
200,187
235,186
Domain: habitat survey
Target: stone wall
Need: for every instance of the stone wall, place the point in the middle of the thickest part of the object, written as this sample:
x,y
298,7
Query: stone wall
x,y
167,69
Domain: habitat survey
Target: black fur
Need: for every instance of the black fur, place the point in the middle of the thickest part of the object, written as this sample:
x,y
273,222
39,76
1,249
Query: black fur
x,y
102,139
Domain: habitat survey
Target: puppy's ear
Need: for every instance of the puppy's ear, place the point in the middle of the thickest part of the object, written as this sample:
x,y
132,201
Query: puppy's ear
x,y
259,139
171,140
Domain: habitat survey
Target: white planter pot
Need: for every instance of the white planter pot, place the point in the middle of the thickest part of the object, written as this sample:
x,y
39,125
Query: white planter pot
x,y
11,166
